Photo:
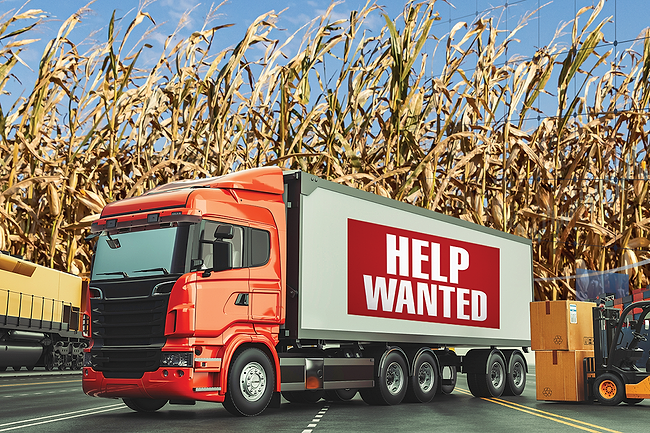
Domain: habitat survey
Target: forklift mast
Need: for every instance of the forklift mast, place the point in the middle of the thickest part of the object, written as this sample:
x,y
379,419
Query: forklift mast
x,y
606,321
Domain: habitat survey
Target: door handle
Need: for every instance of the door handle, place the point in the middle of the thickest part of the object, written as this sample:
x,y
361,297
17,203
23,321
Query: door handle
x,y
242,299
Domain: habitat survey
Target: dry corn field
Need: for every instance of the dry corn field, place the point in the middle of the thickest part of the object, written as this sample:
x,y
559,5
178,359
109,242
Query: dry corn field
x,y
357,108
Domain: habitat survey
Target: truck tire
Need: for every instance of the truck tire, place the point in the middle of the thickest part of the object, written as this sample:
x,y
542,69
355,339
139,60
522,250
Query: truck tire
x,y
424,383
609,389
251,380
446,386
516,376
308,396
341,394
391,385
144,405
492,383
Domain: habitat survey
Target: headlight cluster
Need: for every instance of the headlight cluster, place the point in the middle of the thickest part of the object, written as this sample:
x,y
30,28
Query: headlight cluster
x,y
176,359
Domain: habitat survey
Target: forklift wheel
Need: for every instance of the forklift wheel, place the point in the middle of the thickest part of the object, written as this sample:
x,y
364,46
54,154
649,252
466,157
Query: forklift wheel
x,y
609,389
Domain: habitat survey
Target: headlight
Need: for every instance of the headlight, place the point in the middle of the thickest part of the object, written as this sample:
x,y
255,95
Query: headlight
x,y
176,359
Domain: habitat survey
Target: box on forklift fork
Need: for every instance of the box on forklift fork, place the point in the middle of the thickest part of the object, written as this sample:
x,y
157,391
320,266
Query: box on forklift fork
x,y
559,374
561,325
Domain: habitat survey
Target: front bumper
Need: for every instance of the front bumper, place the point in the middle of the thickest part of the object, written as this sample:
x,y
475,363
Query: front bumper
x,y
173,383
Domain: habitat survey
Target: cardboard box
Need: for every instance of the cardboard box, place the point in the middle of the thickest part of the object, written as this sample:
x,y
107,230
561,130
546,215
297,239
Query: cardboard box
x,y
561,325
560,374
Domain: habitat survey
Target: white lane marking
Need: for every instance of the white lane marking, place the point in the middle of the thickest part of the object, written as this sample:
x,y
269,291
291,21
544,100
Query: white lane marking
x,y
314,421
69,415
38,393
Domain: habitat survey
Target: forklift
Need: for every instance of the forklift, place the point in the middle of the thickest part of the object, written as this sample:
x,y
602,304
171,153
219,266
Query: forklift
x,y
612,374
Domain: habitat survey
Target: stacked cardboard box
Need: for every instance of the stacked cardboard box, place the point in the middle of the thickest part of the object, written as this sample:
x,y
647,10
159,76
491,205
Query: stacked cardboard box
x,y
561,336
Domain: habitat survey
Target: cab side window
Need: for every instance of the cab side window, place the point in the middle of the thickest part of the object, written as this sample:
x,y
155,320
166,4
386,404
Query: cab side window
x,y
261,247
208,236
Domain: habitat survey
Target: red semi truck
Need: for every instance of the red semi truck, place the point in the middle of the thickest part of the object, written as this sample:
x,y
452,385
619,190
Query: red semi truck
x,y
238,288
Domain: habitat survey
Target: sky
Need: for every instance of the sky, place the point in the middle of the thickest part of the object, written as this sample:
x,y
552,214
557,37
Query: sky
x,y
628,21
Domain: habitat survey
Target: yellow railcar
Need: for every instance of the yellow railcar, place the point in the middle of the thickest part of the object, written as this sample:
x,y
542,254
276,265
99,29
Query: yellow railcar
x,y
40,312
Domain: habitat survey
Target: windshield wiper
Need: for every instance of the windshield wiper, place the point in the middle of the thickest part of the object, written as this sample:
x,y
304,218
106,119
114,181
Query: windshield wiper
x,y
163,270
122,273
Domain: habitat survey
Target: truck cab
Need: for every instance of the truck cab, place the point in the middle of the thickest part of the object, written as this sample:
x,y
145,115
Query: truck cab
x,y
182,278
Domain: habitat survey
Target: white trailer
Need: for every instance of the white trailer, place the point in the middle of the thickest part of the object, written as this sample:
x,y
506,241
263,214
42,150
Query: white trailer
x,y
372,275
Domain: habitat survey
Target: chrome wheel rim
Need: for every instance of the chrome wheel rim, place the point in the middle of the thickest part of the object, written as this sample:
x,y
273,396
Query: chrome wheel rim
x,y
496,375
252,381
394,378
517,374
425,377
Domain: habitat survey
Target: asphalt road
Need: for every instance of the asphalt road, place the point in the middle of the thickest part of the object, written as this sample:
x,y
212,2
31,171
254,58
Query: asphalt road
x,y
55,403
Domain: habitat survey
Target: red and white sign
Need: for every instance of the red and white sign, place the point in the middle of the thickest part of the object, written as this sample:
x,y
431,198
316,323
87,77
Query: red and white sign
x,y
407,275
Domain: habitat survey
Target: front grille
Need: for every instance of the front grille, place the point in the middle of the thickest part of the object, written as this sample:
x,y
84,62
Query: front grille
x,y
126,360
128,332
129,322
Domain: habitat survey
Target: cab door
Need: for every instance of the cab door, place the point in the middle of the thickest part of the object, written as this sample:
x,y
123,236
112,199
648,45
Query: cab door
x,y
265,283
221,294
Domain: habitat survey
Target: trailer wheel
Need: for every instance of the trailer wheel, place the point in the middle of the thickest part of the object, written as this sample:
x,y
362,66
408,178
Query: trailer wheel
x,y
346,394
446,385
16,367
516,376
391,385
144,405
609,389
424,383
308,396
492,383
251,380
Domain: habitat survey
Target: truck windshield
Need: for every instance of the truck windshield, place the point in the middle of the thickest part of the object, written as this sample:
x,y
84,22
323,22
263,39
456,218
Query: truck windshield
x,y
157,251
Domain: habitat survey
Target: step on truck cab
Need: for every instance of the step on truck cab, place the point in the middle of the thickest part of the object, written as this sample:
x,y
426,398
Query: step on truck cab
x,y
238,288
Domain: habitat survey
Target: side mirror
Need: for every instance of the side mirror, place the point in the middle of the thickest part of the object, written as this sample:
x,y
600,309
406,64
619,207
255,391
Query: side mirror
x,y
222,255
224,231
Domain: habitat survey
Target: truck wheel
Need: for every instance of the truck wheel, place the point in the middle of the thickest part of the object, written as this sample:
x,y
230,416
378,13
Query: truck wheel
x,y
251,380
609,389
446,385
424,383
391,385
492,383
308,396
144,405
346,394
516,376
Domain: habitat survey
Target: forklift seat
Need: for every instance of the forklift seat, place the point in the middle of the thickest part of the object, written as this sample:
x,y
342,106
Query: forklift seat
x,y
626,358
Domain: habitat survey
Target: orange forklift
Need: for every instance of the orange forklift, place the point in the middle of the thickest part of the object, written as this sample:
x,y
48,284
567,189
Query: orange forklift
x,y
612,374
